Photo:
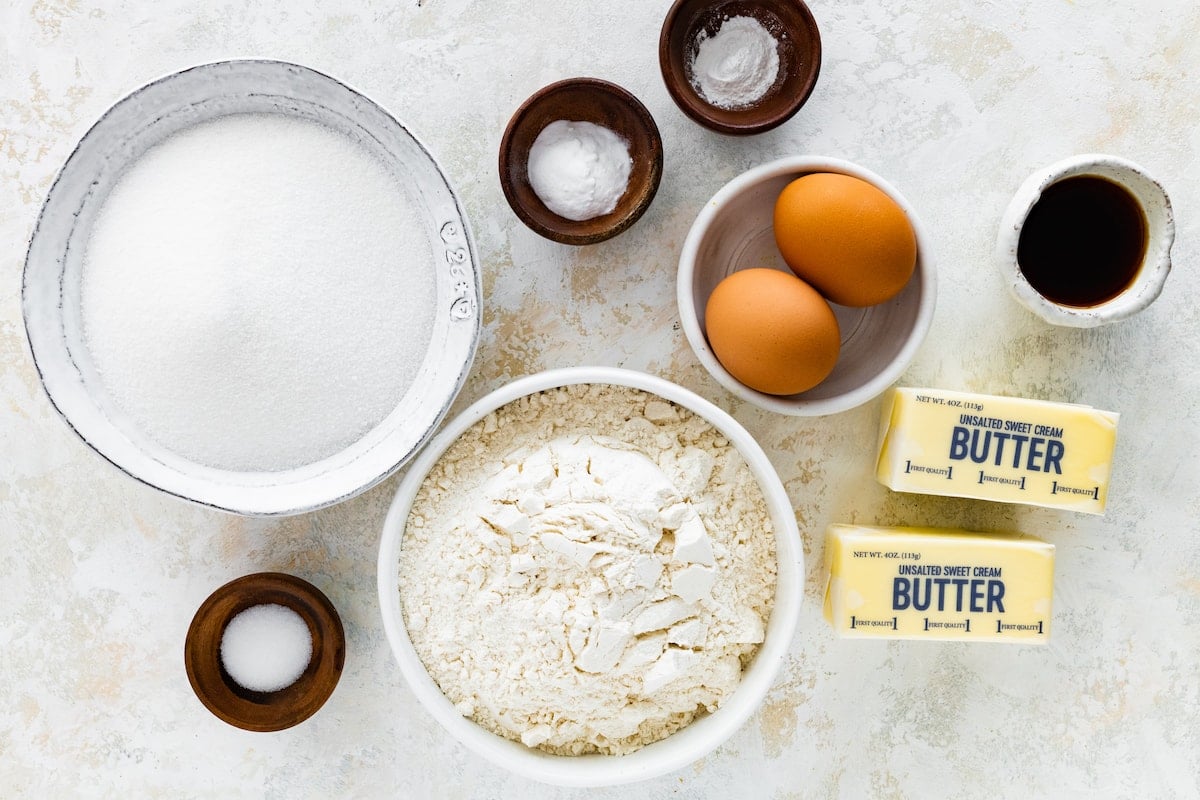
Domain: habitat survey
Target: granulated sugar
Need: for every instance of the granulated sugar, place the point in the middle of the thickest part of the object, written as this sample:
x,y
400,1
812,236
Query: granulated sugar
x,y
258,292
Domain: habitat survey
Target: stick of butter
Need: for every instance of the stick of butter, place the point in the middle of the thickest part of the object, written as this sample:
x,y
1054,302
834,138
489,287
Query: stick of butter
x,y
1056,455
926,583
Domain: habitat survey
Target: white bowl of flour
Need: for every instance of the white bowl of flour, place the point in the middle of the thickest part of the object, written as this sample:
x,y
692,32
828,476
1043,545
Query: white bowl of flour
x,y
591,576
252,288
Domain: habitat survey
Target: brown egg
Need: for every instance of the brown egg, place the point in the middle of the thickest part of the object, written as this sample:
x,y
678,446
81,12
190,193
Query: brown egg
x,y
772,331
847,238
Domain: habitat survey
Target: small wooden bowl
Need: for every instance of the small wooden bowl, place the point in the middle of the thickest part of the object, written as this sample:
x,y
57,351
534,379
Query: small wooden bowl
x,y
264,711
792,25
581,100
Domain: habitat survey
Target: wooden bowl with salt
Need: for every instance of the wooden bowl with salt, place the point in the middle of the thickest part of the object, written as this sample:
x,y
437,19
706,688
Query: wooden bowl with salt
x,y
272,710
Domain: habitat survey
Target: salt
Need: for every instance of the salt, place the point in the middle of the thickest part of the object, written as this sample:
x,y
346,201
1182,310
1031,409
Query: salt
x,y
266,647
579,170
258,292
737,66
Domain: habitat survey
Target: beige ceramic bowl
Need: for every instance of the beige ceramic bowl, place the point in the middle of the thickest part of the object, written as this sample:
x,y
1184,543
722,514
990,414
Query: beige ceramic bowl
x,y
54,265
677,750
734,231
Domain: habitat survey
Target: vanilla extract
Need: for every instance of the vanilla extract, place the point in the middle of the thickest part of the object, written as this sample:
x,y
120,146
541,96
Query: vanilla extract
x,y
1083,242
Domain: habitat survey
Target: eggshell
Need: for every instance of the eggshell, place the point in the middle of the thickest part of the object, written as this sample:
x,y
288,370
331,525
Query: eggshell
x,y
847,238
772,331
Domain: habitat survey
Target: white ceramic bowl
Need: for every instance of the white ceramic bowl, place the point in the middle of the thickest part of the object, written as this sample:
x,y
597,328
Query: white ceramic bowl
x,y
1160,235
677,750
51,288
734,231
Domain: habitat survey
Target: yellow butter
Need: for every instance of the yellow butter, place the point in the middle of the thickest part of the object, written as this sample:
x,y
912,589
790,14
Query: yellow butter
x,y
928,583
1056,455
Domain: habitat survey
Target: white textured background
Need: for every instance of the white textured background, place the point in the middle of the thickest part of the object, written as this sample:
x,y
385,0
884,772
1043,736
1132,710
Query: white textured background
x,y
954,102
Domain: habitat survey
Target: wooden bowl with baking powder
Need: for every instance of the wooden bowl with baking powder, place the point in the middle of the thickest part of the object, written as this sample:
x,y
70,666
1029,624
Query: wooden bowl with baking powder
x,y
799,46
581,100
264,711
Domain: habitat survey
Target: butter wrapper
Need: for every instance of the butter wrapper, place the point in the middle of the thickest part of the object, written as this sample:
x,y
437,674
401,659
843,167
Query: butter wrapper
x,y
1007,449
929,583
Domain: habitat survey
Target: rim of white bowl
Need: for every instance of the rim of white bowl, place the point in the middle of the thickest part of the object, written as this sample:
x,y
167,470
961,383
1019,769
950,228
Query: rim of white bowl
x,y
281,499
686,745
799,406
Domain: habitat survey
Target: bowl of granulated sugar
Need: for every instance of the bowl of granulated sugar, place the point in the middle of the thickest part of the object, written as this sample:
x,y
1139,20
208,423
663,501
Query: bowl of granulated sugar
x,y
252,288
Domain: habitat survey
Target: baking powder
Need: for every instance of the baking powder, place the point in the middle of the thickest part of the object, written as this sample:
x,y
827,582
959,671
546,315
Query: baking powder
x,y
587,570
737,66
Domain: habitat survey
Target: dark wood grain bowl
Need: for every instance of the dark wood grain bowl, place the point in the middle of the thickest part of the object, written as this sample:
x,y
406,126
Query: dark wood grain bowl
x,y
581,100
793,26
264,711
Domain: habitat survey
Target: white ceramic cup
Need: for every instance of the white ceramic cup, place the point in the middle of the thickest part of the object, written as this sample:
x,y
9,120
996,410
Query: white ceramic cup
x,y
1156,263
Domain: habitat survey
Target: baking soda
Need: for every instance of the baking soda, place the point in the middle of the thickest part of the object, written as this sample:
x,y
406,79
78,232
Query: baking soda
x,y
579,170
258,292
266,647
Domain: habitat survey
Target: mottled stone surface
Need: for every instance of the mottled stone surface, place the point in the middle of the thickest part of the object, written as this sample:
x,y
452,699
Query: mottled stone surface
x,y
953,102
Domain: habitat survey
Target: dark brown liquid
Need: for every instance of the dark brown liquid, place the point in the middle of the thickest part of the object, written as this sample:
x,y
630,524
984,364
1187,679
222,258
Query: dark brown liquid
x,y
1083,242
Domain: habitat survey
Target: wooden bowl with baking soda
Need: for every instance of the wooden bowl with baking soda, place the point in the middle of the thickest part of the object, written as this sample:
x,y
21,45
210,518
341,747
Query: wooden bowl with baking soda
x,y
740,66
245,651
580,161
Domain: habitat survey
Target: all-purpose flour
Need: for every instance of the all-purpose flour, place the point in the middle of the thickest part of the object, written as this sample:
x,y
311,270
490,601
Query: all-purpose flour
x,y
258,292
588,569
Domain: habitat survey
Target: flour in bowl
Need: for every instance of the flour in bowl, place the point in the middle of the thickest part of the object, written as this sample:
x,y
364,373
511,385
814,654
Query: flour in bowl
x,y
587,570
